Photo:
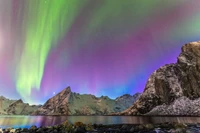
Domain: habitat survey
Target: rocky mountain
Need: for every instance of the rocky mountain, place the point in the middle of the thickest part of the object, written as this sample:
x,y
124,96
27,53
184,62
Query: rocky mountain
x,y
69,103
173,89
126,100
15,107
4,104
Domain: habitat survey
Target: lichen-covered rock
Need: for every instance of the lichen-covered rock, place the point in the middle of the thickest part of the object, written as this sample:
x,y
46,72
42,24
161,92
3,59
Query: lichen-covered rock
x,y
172,82
181,106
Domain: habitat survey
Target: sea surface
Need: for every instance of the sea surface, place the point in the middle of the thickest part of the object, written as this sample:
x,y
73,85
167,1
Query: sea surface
x,y
28,121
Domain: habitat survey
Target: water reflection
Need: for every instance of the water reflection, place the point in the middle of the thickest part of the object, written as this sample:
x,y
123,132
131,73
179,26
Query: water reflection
x,y
27,121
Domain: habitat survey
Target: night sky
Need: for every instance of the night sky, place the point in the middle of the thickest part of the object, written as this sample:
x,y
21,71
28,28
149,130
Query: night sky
x,y
101,47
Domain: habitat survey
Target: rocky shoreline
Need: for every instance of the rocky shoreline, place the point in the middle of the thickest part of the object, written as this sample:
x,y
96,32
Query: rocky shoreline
x,y
79,127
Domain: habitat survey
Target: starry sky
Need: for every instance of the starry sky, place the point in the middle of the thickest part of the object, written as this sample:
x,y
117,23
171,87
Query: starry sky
x,y
101,47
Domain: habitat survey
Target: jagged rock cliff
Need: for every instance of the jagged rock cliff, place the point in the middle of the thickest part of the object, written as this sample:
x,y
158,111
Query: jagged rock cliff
x,y
69,103
169,84
15,107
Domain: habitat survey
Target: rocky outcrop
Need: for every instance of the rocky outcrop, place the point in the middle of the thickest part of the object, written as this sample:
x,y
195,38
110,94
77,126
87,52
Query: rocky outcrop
x,y
69,103
182,106
15,107
170,83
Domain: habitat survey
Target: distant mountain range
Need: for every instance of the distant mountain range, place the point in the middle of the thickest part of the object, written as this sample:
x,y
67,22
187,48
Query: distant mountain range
x,y
69,103
16,107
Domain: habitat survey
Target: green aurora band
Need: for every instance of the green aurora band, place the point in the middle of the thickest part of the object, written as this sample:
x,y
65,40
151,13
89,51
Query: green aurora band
x,y
45,22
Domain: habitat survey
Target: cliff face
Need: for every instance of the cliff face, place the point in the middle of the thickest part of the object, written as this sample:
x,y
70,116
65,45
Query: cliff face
x,y
168,84
69,103
15,107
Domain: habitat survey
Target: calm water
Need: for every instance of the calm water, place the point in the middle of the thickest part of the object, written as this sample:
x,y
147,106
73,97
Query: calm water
x,y
27,121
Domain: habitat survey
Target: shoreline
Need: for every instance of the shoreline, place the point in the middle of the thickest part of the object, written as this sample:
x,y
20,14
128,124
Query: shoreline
x,y
113,115
79,127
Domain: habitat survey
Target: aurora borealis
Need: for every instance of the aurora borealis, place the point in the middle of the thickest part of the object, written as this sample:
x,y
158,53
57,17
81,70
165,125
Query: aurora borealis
x,y
101,47
43,28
